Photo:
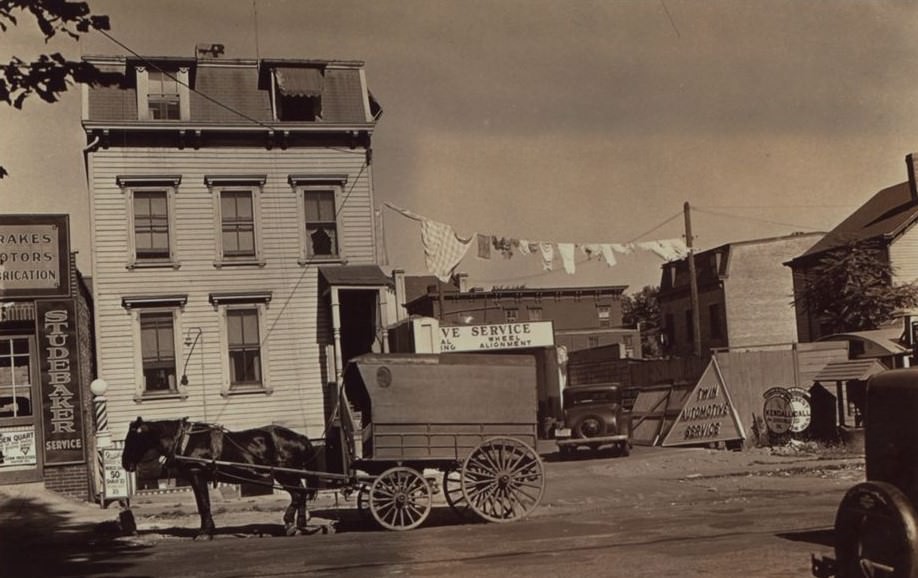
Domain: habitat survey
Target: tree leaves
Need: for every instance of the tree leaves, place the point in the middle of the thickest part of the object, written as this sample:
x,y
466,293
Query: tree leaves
x,y
49,75
852,289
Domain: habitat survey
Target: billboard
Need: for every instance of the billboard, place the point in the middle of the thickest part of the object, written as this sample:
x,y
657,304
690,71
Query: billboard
x,y
34,256
496,336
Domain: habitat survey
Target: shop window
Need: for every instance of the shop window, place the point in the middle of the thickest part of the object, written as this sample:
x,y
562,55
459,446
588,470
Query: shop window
x,y
318,198
15,378
151,220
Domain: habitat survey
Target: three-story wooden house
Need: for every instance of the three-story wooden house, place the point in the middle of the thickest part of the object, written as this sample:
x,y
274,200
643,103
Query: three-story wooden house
x,y
233,236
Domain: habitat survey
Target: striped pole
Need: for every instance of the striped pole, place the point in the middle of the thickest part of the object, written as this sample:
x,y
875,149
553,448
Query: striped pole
x,y
98,387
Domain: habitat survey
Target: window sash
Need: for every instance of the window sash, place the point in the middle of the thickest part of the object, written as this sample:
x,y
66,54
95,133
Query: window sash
x,y
157,343
321,223
151,224
238,223
15,378
244,347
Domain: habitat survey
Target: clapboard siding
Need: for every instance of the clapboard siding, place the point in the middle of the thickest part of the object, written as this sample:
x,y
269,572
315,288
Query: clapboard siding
x,y
296,331
903,254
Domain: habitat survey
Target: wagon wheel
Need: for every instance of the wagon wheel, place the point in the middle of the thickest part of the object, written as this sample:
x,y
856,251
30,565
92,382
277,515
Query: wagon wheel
x,y
363,501
400,499
452,491
502,479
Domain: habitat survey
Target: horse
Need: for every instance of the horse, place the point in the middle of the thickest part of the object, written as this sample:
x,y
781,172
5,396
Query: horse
x,y
273,446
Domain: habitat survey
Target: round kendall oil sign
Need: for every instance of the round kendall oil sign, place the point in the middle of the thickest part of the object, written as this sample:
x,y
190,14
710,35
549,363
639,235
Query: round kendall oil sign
x,y
787,410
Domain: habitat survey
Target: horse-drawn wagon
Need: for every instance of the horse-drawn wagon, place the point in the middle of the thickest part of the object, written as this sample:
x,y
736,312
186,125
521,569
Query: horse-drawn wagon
x,y
469,417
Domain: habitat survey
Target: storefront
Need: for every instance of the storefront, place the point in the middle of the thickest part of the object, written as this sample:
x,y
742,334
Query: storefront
x,y
45,359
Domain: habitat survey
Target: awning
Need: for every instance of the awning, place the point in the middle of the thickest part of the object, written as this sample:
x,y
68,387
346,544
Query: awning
x,y
355,276
886,338
300,81
850,370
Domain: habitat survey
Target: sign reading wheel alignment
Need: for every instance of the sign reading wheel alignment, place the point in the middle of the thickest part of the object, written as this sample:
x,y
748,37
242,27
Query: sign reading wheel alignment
x,y
496,336
708,414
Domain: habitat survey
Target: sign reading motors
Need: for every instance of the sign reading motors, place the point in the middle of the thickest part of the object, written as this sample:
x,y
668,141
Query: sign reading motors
x,y
497,336
34,255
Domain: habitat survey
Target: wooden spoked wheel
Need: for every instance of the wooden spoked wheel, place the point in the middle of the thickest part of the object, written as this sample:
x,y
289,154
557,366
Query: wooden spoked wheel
x,y
400,499
452,491
363,501
503,480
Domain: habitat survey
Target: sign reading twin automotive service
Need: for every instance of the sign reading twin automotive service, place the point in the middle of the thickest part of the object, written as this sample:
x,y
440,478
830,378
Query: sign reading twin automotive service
x,y
60,382
497,336
34,255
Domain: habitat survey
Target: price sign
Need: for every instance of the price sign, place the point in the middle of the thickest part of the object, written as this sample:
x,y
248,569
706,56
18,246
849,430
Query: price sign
x,y
116,481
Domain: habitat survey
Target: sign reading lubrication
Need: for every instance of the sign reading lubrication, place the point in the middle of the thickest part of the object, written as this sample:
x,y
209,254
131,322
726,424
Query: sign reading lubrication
x,y
496,336
34,255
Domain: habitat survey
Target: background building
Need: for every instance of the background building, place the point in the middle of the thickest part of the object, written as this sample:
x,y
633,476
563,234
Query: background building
x,y
745,295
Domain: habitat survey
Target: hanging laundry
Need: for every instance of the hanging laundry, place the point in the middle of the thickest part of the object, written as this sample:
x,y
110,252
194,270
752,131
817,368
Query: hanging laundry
x,y
443,249
484,246
665,249
608,254
566,251
504,245
679,247
525,247
534,247
624,248
548,254
591,250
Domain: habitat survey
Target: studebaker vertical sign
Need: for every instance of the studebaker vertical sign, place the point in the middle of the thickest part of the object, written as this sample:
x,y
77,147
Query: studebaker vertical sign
x,y
60,390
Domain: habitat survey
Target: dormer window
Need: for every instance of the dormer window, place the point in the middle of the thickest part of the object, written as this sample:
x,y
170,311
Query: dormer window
x,y
298,93
163,93
163,96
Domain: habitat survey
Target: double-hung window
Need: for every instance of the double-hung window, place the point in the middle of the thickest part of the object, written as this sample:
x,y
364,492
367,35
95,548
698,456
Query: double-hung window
x,y
603,314
163,92
150,220
244,341
318,198
157,345
238,211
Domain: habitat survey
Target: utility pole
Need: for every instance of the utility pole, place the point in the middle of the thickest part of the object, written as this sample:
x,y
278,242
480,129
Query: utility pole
x,y
693,282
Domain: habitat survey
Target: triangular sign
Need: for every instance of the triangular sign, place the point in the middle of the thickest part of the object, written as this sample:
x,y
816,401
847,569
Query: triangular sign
x,y
708,414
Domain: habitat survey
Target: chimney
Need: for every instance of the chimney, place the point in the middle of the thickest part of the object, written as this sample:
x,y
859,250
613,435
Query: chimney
x,y
910,166
462,279
398,279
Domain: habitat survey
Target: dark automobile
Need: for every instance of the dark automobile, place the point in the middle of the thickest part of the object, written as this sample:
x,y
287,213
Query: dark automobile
x,y
593,418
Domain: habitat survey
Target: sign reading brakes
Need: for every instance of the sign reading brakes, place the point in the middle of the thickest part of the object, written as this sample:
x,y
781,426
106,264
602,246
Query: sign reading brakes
x,y
497,336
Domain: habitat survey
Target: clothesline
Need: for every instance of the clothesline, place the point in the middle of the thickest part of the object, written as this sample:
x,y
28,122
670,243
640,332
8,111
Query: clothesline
x,y
444,249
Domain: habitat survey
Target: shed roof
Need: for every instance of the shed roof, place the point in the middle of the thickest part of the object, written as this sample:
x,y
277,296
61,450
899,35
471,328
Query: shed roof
x,y
850,370
355,276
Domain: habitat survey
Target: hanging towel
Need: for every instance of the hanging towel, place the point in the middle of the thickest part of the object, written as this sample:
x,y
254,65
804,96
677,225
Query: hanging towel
x,y
591,250
504,245
624,248
484,246
548,254
664,249
608,254
443,249
566,251
525,248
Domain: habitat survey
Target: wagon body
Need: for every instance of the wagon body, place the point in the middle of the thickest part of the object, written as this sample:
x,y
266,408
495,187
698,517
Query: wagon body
x,y
435,409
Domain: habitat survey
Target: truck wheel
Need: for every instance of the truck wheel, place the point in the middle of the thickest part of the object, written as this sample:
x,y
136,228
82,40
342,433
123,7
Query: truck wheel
x,y
876,533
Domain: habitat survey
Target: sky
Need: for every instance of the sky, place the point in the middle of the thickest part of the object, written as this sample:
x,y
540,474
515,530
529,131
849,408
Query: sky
x,y
552,120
